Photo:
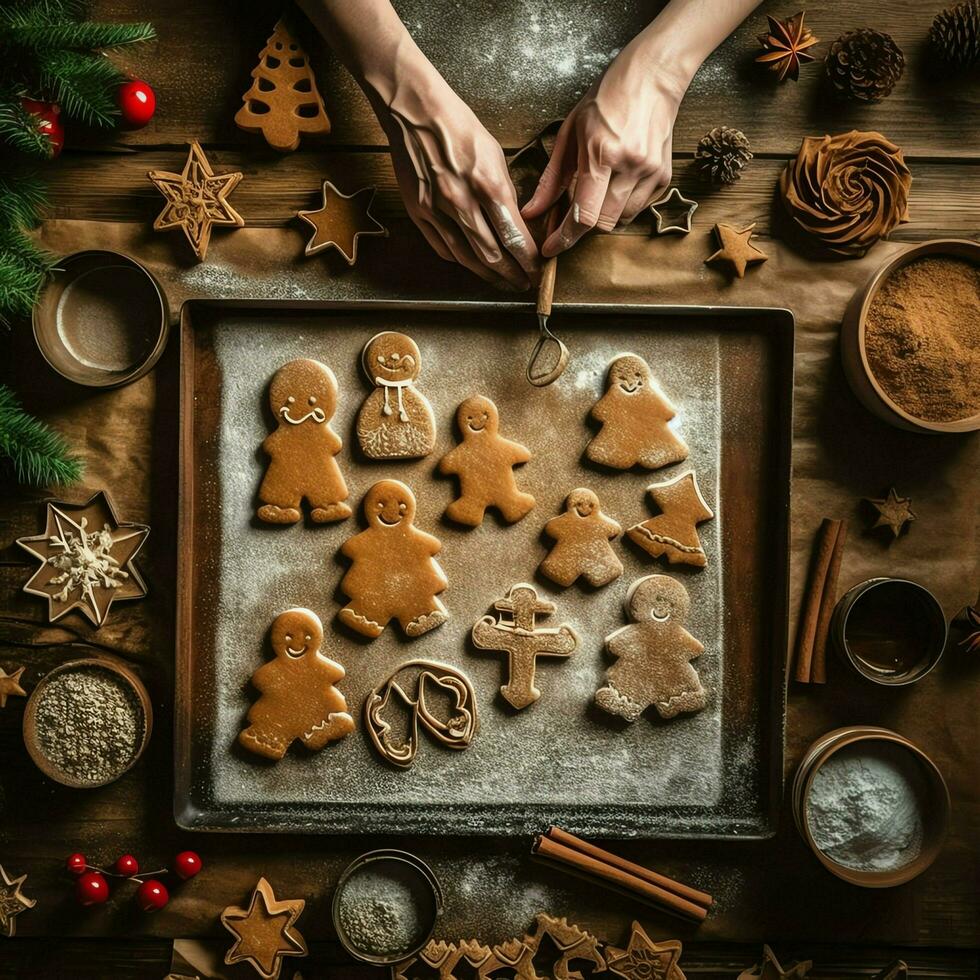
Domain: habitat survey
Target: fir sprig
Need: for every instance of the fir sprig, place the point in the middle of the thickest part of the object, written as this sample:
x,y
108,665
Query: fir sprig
x,y
38,455
21,198
83,85
68,35
19,128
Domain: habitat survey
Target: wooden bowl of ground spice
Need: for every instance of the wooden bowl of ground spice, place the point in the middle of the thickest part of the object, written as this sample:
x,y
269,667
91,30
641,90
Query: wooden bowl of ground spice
x,y
910,339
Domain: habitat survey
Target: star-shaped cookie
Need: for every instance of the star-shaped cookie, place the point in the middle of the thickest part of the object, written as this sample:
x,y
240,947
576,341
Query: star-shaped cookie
x,y
265,932
673,200
769,969
643,959
12,902
197,199
673,532
736,249
893,512
10,685
341,220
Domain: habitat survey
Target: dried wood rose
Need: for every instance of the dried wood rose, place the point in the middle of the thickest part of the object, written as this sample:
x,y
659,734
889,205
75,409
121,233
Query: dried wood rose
x,y
847,191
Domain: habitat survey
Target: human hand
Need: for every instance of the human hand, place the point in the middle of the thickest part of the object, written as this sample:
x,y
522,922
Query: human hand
x,y
613,152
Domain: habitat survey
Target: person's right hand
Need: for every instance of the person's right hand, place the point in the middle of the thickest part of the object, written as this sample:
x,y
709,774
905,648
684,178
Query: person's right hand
x,y
454,181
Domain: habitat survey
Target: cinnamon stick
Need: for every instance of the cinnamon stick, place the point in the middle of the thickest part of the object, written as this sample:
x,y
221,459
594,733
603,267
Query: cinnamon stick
x,y
607,857
601,872
812,598
818,674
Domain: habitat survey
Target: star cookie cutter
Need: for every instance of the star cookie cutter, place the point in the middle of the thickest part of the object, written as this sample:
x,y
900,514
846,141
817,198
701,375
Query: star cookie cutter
x,y
673,195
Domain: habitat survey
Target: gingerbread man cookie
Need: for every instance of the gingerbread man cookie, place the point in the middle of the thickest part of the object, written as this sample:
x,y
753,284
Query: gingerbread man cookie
x,y
673,532
634,413
653,654
303,397
297,696
582,535
394,574
484,463
396,420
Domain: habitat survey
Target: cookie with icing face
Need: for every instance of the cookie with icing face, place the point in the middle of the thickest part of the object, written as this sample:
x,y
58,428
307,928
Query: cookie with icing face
x,y
634,413
394,573
303,398
582,549
396,420
298,698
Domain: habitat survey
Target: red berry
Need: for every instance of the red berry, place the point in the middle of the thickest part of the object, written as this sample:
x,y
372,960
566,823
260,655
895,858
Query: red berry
x,y
137,103
76,864
187,864
127,865
91,889
152,895
49,124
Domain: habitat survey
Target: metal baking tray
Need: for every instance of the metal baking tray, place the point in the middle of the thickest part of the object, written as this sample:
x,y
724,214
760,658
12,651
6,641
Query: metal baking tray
x,y
716,773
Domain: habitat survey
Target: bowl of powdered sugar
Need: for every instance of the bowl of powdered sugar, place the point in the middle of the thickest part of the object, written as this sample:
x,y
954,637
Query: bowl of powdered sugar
x,y
872,806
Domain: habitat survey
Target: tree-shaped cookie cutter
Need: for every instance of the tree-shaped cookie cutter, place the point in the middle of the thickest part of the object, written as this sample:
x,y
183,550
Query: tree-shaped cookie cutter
x,y
454,732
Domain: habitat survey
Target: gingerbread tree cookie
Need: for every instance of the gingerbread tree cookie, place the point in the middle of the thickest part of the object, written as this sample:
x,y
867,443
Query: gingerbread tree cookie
x,y
283,100
484,463
517,634
298,699
673,532
653,654
396,420
582,535
303,398
634,413
394,574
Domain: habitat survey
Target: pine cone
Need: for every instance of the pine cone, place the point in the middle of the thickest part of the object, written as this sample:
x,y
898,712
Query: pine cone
x,y
864,65
955,35
722,153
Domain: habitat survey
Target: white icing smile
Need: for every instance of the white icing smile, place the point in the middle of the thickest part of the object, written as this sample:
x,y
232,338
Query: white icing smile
x,y
394,523
317,414
296,653
630,388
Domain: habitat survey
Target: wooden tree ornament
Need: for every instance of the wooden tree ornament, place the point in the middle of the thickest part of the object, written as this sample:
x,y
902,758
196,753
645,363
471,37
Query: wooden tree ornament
x,y
283,100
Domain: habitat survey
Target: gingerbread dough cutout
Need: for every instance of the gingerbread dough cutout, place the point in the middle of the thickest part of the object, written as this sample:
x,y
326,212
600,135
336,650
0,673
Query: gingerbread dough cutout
x,y
654,654
394,573
297,696
484,463
516,633
396,420
673,532
634,413
303,398
582,535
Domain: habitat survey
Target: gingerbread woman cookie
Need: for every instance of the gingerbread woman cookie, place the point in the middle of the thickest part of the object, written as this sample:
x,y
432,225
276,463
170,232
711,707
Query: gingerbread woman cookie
x,y
582,535
653,654
396,420
303,397
484,462
394,574
634,413
673,532
297,696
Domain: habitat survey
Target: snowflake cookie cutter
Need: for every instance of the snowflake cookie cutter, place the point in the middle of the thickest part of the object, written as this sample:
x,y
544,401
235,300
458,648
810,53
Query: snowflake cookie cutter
x,y
673,197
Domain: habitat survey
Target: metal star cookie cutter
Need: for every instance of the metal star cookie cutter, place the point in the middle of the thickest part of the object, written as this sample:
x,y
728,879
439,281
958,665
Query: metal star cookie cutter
x,y
684,227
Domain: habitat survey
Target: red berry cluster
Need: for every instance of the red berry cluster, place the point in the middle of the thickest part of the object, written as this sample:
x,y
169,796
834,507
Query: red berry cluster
x,y
152,895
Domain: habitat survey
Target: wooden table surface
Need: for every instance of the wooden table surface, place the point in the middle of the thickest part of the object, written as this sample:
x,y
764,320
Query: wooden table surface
x,y
770,890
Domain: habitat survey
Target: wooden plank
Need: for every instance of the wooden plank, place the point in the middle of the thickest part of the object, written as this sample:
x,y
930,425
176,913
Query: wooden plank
x,y
517,78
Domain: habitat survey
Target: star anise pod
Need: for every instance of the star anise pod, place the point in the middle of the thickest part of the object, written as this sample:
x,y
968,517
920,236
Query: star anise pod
x,y
785,46
971,629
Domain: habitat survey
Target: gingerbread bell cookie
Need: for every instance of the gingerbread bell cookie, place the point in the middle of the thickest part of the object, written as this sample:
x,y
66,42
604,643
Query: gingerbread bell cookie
x,y
484,463
654,654
634,413
394,573
303,398
396,420
582,549
297,694
673,532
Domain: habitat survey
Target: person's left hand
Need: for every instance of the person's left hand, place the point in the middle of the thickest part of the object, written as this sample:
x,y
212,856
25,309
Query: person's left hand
x,y
613,151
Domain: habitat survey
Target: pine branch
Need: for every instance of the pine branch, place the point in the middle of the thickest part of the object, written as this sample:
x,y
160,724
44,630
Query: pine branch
x,y
83,84
19,128
70,35
23,270
21,197
38,455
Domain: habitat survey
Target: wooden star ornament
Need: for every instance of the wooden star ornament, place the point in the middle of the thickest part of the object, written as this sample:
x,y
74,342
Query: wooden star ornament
x,y
12,902
197,200
341,220
735,249
673,201
265,932
643,959
10,686
893,512
770,969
